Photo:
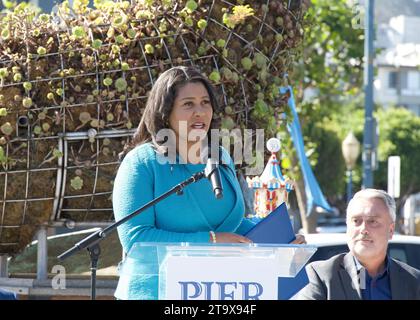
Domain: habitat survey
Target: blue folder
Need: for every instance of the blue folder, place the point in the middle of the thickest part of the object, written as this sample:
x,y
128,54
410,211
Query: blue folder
x,y
7,295
288,287
277,228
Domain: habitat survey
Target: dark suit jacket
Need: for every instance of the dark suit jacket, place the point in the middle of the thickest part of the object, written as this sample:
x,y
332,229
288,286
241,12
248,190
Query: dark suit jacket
x,y
337,279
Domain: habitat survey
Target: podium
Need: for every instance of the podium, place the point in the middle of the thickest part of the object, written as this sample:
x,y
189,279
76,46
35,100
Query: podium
x,y
205,271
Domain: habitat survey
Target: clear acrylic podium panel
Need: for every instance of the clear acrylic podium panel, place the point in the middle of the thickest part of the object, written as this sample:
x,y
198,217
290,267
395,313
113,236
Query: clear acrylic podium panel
x,y
153,258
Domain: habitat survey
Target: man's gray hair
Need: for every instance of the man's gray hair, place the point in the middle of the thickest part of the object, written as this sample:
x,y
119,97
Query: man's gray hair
x,y
375,194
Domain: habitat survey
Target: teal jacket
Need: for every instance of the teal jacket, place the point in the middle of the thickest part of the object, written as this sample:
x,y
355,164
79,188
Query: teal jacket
x,y
179,218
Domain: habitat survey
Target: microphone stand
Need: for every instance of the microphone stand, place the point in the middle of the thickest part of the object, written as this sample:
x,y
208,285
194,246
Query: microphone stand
x,y
91,242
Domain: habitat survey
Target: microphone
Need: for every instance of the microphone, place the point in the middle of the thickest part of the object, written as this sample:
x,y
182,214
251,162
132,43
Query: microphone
x,y
213,174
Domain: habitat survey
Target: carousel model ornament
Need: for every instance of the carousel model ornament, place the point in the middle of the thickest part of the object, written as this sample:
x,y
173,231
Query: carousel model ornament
x,y
271,189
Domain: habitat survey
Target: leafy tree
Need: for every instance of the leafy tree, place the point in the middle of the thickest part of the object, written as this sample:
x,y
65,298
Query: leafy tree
x,y
399,136
332,67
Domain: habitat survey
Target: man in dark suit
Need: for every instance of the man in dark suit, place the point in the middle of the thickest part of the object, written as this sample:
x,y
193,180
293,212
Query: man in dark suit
x,y
366,272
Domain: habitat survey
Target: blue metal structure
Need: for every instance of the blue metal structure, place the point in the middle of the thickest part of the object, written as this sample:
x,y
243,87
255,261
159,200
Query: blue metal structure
x,y
368,141
313,192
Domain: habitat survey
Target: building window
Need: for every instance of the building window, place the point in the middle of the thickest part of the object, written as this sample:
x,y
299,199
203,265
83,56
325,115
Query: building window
x,y
417,85
392,80
404,79
413,80
414,108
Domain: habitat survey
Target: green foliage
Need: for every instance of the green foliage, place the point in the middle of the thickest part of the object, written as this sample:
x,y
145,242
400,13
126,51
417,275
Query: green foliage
x,y
3,157
6,129
103,4
328,150
120,84
4,73
240,13
399,136
332,66
215,76
332,54
76,183
191,5
57,153
9,4
41,51
202,24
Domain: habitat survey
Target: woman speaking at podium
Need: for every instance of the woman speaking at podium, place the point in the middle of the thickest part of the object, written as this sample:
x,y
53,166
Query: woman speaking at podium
x,y
180,106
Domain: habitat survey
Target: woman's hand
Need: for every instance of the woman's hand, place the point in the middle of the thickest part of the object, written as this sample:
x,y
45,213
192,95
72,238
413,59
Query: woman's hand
x,y
226,237
300,239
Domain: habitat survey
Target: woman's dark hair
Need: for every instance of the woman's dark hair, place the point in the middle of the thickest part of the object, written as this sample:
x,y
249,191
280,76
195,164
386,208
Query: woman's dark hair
x,y
160,103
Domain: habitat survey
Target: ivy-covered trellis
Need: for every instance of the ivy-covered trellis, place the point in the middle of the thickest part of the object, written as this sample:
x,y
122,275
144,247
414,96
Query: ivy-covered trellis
x,y
73,85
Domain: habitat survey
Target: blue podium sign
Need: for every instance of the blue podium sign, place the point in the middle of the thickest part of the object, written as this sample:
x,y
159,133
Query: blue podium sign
x,y
205,271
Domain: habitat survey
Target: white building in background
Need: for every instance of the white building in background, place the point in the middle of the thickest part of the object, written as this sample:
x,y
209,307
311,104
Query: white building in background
x,y
397,83
398,73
